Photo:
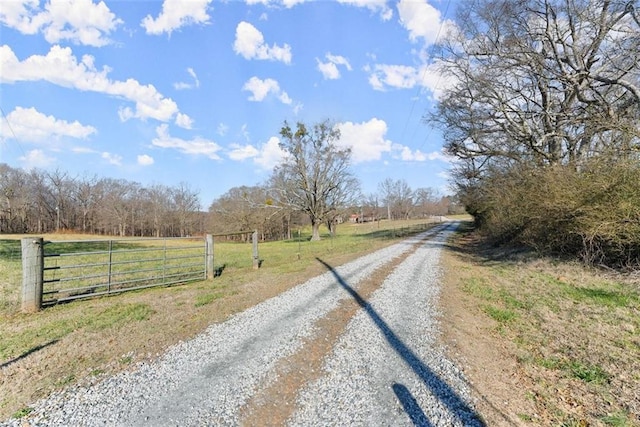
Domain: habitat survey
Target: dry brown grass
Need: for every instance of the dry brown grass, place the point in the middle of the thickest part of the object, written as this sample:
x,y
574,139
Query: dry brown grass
x,y
544,342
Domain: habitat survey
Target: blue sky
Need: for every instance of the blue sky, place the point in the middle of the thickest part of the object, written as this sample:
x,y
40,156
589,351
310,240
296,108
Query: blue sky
x,y
196,91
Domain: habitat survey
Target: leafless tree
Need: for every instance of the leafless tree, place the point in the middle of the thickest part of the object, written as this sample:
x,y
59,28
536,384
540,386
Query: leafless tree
x,y
314,178
540,81
398,197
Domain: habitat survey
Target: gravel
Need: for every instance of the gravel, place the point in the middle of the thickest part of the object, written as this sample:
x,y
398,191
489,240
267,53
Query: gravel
x,y
386,369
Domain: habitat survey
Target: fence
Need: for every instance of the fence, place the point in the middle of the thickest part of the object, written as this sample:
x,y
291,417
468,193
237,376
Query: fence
x,y
58,271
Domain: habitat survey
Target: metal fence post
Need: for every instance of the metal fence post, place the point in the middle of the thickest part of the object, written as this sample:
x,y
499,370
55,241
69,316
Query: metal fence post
x,y
209,257
32,273
256,260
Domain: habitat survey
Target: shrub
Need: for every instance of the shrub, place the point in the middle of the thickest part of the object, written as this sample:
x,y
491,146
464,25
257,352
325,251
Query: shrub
x,y
591,212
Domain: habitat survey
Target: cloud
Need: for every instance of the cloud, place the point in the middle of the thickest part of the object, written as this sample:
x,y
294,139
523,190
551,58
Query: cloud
x,y
250,44
286,3
427,76
270,155
28,124
184,121
422,20
36,159
195,147
266,156
261,88
242,152
145,160
375,6
112,159
61,68
366,140
176,14
184,85
80,21
406,154
329,69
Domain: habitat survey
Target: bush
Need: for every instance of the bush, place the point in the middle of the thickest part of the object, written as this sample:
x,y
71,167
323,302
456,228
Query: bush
x,y
591,212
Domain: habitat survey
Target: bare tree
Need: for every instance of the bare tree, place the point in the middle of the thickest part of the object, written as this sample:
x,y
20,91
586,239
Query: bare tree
x,y
186,207
398,197
428,202
540,81
315,177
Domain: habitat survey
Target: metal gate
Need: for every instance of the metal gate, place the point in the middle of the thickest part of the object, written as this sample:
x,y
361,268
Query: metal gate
x,y
83,268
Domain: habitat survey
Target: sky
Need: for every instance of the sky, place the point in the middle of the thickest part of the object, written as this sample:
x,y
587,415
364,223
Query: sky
x,y
196,91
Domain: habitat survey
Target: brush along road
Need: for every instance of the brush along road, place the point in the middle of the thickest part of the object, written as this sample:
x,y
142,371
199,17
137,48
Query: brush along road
x,y
356,345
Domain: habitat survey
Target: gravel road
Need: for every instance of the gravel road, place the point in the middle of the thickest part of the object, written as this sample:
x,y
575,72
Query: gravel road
x,y
385,369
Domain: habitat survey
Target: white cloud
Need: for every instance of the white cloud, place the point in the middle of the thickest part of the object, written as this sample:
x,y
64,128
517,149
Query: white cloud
x,y
28,124
422,20
176,14
80,21
376,6
261,88
270,154
250,44
366,140
286,3
112,159
242,152
266,156
196,147
61,68
407,77
184,85
406,154
184,121
145,160
329,69
36,159
83,150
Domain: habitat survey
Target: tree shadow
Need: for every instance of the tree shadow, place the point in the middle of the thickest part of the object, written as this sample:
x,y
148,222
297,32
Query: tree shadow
x,y
439,388
411,406
27,353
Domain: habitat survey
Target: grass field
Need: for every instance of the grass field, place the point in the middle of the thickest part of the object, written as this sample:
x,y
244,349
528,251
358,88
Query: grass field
x,y
86,339
573,333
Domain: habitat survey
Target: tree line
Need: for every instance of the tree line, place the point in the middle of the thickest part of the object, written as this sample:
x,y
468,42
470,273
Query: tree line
x,y
41,202
253,208
542,112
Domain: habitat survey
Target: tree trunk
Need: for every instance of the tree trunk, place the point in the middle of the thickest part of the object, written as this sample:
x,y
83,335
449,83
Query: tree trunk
x,y
315,235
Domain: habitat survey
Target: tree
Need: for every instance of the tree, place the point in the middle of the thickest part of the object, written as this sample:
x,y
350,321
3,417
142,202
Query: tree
x,y
541,82
398,197
428,203
314,177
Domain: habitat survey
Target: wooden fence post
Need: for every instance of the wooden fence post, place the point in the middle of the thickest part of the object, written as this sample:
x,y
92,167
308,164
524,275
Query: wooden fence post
x,y
256,260
209,256
32,273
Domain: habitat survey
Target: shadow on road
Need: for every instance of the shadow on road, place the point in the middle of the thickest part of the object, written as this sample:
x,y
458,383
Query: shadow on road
x,y
440,389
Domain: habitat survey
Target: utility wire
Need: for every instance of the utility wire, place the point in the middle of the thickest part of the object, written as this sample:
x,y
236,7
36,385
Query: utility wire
x,y
424,73
12,132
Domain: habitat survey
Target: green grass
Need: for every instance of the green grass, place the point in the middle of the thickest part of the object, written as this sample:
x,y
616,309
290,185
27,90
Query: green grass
x,y
28,339
22,412
501,316
207,298
587,372
619,419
